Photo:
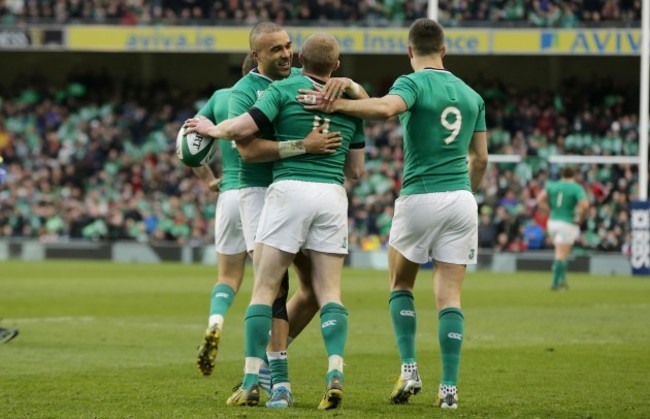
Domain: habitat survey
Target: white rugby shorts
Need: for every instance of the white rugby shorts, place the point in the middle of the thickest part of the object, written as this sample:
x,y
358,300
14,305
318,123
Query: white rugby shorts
x,y
442,226
563,232
251,202
228,233
305,215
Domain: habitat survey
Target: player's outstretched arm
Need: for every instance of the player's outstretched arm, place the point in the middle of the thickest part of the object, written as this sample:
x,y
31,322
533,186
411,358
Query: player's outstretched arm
x,y
372,108
237,128
257,150
478,159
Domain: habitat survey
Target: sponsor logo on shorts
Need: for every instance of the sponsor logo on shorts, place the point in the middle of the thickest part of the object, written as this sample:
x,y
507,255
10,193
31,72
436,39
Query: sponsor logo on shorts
x,y
472,253
221,295
454,335
328,324
407,313
344,244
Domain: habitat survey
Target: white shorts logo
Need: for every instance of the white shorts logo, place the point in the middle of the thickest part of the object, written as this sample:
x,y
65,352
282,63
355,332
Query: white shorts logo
x,y
454,335
408,313
328,324
221,295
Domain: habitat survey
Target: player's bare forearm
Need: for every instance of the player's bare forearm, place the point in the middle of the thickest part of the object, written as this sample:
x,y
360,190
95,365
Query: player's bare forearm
x,y
581,211
354,164
204,173
478,159
257,150
372,108
477,168
207,175
237,128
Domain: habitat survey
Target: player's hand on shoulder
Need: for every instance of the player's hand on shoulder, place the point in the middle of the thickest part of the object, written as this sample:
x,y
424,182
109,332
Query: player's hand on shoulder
x,y
315,100
335,87
321,142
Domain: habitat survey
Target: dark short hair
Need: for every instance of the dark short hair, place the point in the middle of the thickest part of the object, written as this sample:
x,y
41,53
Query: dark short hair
x,y
248,64
260,28
426,37
567,172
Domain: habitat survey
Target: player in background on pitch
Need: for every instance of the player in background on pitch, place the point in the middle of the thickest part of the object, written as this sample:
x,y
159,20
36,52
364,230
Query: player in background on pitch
x,y
436,215
305,209
568,205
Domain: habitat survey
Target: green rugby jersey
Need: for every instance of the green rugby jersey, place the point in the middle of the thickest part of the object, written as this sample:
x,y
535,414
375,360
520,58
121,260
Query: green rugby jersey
x,y
244,95
280,109
216,110
563,197
441,117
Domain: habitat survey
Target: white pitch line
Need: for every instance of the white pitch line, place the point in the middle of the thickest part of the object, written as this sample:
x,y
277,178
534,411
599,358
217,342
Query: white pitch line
x,y
65,319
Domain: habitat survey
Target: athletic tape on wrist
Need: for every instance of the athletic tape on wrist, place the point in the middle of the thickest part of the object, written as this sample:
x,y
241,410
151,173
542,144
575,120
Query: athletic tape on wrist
x,y
291,148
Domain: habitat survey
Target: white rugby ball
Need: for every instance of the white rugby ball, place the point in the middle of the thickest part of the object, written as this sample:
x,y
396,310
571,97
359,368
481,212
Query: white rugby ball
x,y
195,150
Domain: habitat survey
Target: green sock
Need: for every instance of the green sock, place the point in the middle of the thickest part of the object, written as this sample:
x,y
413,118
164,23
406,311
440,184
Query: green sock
x,y
334,327
279,366
257,325
563,269
222,297
402,313
450,335
556,269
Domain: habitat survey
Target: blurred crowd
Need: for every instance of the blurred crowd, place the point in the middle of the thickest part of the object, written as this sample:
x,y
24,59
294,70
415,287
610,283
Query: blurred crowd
x,y
95,160
546,13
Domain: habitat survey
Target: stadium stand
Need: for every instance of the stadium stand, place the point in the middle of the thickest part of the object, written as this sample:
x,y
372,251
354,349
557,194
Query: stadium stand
x,y
94,160
545,13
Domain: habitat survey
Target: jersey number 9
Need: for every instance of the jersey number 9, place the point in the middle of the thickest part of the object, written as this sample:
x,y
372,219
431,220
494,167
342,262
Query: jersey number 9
x,y
454,127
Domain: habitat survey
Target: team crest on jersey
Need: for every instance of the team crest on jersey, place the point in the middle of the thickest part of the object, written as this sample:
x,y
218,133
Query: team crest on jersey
x,y
260,93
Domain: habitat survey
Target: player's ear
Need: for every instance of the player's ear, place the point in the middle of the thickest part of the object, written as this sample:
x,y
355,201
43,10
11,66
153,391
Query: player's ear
x,y
301,59
443,51
410,51
336,66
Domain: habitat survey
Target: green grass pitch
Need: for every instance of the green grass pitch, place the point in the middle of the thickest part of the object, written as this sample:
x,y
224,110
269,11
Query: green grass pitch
x,y
101,340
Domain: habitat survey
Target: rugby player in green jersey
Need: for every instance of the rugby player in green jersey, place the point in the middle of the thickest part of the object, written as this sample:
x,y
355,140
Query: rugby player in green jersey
x,y
271,47
305,209
228,234
230,241
445,157
568,205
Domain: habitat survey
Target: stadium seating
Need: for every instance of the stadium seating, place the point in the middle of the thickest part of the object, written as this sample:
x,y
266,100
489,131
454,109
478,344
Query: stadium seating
x,y
553,13
94,160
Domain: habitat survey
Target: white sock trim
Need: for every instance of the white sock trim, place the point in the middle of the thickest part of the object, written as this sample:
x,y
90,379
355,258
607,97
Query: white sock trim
x,y
407,369
335,362
215,319
252,365
276,356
